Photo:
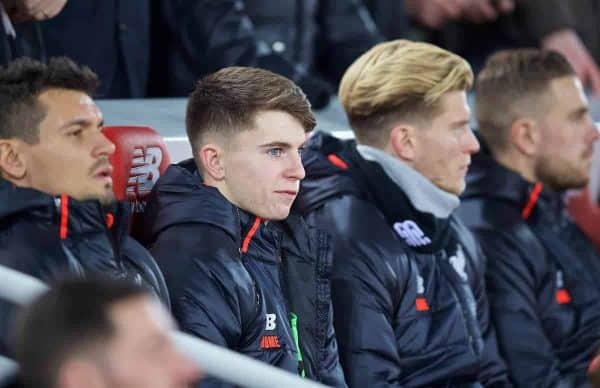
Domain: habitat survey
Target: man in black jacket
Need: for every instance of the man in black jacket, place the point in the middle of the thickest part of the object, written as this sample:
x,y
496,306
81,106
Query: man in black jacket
x,y
57,210
241,273
408,290
311,42
542,271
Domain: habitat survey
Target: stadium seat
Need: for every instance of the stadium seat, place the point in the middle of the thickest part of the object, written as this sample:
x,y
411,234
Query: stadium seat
x,y
140,158
586,214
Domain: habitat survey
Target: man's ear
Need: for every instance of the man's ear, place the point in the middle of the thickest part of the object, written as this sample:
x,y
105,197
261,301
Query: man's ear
x,y
12,162
525,134
210,156
403,142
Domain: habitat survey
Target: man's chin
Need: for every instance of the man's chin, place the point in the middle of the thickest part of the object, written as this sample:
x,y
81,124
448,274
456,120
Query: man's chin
x,y
278,215
107,199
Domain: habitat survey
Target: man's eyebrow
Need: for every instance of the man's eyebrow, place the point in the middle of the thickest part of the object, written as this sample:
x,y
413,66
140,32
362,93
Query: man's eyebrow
x,y
276,144
460,124
80,123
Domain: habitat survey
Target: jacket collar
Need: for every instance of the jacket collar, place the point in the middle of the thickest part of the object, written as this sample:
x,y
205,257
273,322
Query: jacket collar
x,y
488,178
423,195
73,217
420,229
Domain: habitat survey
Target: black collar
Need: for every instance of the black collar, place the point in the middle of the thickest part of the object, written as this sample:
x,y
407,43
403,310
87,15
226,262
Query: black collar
x,y
421,231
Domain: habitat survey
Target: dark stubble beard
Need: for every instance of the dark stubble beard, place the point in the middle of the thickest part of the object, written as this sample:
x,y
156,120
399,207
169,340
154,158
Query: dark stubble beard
x,y
559,174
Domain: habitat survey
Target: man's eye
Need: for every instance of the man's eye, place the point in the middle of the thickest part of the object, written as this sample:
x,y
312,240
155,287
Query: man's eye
x,y
75,133
275,152
300,151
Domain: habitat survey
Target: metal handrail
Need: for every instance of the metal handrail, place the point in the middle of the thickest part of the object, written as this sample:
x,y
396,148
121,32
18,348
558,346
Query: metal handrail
x,y
214,360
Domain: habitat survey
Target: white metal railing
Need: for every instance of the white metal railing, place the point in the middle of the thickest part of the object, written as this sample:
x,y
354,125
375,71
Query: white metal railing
x,y
8,368
215,361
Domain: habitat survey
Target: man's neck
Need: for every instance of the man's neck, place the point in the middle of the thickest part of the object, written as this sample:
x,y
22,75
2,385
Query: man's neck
x,y
517,163
421,192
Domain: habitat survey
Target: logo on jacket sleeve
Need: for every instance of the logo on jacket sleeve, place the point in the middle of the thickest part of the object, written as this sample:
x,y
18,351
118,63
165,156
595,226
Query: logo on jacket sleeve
x,y
562,295
411,233
271,320
270,341
421,302
459,263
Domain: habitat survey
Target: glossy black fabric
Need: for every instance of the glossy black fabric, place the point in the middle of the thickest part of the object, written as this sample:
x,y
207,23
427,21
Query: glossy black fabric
x,y
404,316
533,264
30,242
236,298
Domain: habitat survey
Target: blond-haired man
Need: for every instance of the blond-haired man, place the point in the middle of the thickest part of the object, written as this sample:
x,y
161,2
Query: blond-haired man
x,y
407,284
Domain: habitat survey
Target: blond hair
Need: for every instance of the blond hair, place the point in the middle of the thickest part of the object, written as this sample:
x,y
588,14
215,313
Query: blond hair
x,y
396,80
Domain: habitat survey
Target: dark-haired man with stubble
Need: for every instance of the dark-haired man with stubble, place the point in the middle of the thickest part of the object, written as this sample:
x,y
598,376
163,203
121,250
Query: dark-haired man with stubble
x,y
55,182
244,273
537,142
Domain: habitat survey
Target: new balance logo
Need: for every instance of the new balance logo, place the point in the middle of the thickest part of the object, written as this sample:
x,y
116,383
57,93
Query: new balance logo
x,y
421,303
560,282
411,233
144,170
459,263
271,322
420,285
562,295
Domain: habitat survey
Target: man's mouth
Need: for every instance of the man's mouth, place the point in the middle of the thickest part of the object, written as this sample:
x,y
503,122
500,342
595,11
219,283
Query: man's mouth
x,y
104,173
290,193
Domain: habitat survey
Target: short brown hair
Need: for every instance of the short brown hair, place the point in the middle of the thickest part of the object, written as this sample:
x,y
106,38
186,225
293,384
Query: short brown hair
x,y
512,84
399,79
23,80
228,100
73,317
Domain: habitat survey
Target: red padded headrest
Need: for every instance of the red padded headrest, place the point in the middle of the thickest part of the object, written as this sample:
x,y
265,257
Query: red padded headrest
x,y
586,214
140,158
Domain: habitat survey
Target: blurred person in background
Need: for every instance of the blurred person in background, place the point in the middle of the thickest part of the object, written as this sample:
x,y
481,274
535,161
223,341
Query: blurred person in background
x,y
310,42
99,334
568,27
408,286
20,31
537,142
242,271
57,210
112,37
475,29
414,18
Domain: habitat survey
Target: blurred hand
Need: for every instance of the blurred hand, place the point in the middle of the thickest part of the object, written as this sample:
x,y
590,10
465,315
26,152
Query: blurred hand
x,y
38,10
435,13
482,11
568,44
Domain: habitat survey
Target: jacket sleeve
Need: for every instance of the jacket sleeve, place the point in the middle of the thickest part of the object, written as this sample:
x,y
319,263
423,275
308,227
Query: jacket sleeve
x,y
365,293
347,30
212,295
493,371
331,373
139,262
512,292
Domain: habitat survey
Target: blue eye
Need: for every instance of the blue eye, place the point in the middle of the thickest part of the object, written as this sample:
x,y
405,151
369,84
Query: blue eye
x,y
300,151
275,152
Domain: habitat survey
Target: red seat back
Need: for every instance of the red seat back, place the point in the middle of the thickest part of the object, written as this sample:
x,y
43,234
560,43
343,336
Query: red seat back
x,y
586,214
140,158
